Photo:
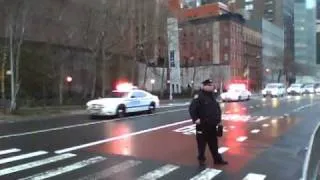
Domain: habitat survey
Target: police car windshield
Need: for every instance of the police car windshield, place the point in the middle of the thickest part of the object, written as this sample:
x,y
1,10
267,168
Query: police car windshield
x,y
272,86
234,90
308,86
296,85
117,94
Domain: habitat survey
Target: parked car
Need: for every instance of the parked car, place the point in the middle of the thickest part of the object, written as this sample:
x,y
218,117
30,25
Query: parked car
x,y
295,89
274,90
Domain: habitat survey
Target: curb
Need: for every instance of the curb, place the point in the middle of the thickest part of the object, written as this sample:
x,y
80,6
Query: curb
x,y
306,166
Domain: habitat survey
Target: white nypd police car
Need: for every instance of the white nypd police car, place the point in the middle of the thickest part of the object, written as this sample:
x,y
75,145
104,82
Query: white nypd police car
x,y
125,99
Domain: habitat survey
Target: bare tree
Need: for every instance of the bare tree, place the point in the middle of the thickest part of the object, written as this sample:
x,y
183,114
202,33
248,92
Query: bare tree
x,y
16,19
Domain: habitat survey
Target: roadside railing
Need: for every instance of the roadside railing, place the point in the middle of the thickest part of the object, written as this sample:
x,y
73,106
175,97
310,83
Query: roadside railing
x,y
311,168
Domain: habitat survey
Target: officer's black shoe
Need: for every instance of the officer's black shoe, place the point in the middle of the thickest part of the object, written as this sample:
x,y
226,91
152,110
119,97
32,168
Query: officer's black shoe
x,y
221,162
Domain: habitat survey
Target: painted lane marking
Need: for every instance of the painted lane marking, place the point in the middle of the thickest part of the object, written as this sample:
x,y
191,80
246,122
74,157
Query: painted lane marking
x,y
187,130
303,107
84,124
8,151
119,137
158,173
253,176
222,150
242,138
207,174
23,156
265,125
112,170
35,164
174,105
255,131
61,170
251,107
262,118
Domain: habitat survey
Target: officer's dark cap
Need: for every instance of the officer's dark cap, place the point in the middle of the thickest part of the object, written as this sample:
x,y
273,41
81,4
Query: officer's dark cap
x,y
207,82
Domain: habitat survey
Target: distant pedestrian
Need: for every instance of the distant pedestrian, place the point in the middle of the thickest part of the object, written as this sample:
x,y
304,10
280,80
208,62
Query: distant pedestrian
x,y
206,114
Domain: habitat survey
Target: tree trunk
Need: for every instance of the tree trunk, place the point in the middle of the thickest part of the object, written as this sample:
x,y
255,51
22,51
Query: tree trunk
x,y
3,75
133,71
61,82
193,79
12,65
162,79
145,75
44,94
279,75
94,80
103,71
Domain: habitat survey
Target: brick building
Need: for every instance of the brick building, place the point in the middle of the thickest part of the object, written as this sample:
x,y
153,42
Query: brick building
x,y
252,55
213,40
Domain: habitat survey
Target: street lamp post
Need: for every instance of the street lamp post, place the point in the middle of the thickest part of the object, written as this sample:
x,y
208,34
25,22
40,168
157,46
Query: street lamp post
x,y
152,81
69,81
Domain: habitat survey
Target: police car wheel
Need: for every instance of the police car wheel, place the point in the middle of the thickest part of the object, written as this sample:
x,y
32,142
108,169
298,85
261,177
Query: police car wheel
x,y
152,108
121,111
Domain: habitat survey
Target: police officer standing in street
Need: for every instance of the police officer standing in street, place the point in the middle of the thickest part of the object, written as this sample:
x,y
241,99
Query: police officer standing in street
x,y
206,114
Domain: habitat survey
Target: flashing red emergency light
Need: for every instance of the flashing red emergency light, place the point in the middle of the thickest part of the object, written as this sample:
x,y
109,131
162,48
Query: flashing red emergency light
x,y
124,87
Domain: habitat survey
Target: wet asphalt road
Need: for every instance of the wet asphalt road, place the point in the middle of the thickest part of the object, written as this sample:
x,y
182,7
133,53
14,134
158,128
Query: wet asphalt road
x,y
264,139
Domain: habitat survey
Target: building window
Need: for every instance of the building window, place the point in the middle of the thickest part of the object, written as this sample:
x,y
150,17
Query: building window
x,y
226,42
249,7
207,44
226,57
268,2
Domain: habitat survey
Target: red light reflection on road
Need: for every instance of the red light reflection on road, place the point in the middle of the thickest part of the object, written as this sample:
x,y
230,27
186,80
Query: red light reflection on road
x,y
235,108
123,146
238,114
239,111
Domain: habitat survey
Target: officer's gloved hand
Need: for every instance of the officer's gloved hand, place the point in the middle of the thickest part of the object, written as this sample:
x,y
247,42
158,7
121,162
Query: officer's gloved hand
x,y
197,121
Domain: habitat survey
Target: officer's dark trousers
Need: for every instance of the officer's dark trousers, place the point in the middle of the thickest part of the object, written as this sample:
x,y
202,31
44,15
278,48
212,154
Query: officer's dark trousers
x,y
207,134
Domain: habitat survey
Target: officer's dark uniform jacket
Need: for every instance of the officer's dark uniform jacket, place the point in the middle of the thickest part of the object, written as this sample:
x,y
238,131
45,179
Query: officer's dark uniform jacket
x,y
206,108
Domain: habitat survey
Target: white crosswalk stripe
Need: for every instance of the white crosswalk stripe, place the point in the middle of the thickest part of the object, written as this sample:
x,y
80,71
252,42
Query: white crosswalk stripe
x,y
61,170
207,174
8,151
253,176
35,164
34,167
158,173
23,156
112,170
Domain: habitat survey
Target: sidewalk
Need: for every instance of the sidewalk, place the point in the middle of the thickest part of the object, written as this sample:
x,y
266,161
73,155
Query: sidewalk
x,y
26,114
30,113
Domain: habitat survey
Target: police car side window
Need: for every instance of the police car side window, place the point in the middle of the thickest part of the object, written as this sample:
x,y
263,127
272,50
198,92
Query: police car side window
x,y
141,94
135,95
